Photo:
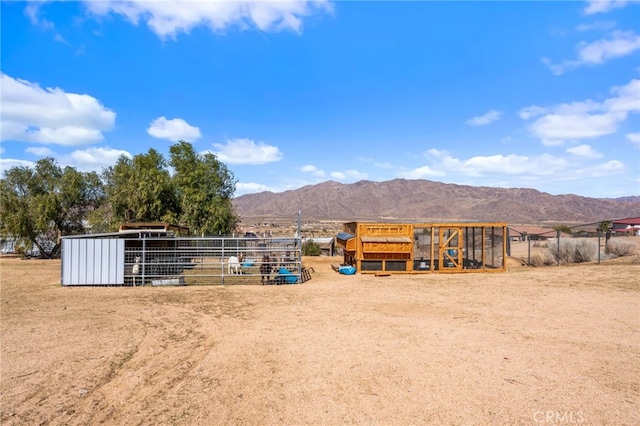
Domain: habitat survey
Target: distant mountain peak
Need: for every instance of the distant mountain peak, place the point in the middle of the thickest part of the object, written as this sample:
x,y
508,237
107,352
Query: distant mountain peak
x,y
424,199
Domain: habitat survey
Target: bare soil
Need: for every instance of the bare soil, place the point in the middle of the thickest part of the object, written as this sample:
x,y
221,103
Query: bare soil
x,y
529,346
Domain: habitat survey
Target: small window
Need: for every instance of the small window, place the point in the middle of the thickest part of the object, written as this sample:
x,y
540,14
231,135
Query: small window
x,y
371,265
394,265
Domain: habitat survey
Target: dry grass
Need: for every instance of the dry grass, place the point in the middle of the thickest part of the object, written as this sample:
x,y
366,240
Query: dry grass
x,y
508,348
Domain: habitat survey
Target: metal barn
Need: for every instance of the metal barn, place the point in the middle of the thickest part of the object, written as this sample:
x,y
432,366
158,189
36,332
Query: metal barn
x,y
445,247
157,257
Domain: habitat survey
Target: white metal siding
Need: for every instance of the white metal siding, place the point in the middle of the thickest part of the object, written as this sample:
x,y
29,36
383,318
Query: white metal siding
x,y
92,261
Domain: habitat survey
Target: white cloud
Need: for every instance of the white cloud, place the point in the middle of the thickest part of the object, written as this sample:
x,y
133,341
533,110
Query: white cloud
x,y
507,164
442,163
246,151
602,170
485,119
376,163
517,170
348,175
531,111
168,19
587,119
597,25
585,151
9,163
634,138
252,188
420,173
601,6
174,130
50,116
60,39
40,151
552,142
94,159
384,166
620,43
32,12
575,126
313,170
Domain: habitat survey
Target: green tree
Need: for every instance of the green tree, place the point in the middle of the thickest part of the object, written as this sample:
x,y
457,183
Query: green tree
x,y
563,228
310,248
204,188
604,226
140,189
39,205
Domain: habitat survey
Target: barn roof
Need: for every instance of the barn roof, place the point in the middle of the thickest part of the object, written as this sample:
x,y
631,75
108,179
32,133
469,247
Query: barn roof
x,y
534,230
345,236
125,234
628,221
155,226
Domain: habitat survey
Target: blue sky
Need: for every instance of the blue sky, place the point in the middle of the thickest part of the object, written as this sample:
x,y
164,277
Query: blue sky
x,y
542,95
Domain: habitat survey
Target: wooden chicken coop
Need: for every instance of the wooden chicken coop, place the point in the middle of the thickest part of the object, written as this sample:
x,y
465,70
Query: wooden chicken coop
x,y
445,247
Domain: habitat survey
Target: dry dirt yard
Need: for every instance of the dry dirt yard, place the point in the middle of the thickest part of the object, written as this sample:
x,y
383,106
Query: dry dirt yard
x,y
552,345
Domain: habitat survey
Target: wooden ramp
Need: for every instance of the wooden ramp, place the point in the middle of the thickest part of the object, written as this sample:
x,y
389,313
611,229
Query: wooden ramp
x,y
305,274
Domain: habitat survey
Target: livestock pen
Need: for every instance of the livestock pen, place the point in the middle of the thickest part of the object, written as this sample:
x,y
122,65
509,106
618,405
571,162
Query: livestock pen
x,y
137,257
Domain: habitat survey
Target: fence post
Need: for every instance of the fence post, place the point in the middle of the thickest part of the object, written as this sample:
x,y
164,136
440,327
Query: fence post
x,y
222,273
144,258
558,235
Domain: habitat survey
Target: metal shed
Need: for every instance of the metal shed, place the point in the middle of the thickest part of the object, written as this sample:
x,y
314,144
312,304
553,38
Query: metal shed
x,y
100,259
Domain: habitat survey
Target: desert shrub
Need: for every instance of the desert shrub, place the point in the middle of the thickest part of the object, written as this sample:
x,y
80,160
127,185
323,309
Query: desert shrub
x,y
585,251
536,260
310,248
542,259
573,251
621,248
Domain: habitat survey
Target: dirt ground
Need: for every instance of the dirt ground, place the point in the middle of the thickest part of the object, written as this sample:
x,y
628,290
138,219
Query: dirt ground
x,y
555,345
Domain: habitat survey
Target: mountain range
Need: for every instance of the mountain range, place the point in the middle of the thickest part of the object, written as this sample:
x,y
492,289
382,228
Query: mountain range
x,y
425,200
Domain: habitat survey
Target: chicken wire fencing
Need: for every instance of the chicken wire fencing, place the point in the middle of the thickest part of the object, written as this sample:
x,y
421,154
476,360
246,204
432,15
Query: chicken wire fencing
x,y
211,261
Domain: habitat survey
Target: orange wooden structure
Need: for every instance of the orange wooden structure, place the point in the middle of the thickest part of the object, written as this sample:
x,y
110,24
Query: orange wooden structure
x,y
425,247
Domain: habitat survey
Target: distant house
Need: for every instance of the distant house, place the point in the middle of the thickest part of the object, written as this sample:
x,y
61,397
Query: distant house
x,y
629,226
520,233
327,245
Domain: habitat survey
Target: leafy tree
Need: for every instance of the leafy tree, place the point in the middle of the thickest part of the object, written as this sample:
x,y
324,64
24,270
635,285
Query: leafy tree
x,y
204,188
39,205
605,226
563,228
310,248
140,189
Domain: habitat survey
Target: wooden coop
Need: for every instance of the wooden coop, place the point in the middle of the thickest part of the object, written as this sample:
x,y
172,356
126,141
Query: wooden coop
x,y
445,247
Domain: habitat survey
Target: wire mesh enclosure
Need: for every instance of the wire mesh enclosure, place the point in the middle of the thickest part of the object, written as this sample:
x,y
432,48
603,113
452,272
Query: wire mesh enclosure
x,y
424,247
184,261
210,261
